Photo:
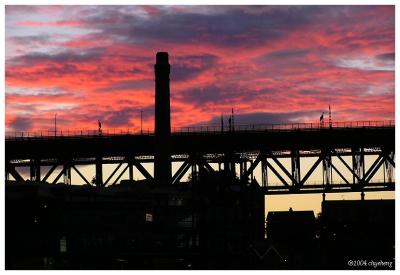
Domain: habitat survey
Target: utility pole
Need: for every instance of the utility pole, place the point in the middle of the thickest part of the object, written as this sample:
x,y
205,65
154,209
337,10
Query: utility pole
x,y
55,124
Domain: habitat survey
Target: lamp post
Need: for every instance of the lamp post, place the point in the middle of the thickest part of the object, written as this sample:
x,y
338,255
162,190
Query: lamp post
x,y
141,122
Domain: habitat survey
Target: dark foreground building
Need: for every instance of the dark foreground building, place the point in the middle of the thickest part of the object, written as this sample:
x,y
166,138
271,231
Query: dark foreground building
x,y
209,223
352,234
293,234
359,230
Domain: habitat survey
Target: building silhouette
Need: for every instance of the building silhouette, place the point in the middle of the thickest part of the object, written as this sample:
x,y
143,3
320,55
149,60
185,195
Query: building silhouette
x,y
357,229
293,234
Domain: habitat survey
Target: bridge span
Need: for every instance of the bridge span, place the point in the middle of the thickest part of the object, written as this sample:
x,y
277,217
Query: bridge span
x,y
340,148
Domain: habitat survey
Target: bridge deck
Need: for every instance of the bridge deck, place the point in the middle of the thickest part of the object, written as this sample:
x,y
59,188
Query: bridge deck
x,y
201,142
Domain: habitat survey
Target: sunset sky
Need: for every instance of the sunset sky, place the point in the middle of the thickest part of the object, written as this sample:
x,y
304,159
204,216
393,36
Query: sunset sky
x,y
272,64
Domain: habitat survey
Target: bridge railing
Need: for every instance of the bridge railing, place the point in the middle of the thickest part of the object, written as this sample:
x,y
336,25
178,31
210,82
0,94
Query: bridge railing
x,y
283,126
74,133
202,129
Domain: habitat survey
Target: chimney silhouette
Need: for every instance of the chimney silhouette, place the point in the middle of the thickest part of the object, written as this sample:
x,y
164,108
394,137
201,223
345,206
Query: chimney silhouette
x,y
162,156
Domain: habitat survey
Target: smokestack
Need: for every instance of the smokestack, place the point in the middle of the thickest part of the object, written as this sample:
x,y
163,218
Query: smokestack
x,y
162,156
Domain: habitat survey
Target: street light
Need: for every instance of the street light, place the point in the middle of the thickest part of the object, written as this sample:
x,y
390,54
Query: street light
x,y
141,122
55,124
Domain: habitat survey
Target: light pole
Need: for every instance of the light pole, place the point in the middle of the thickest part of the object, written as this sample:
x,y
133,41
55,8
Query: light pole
x,y
141,122
55,124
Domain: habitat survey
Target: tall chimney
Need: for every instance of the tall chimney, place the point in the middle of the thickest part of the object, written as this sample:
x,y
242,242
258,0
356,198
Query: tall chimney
x,y
162,156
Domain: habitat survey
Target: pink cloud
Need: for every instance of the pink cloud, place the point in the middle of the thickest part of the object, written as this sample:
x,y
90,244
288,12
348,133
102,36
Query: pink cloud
x,y
307,60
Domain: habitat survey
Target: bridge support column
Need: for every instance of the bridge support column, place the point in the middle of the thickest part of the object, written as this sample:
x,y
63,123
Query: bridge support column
x,y
252,172
229,163
34,170
388,169
295,167
358,164
326,168
243,168
99,171
67,174
195,173
264,173
130,170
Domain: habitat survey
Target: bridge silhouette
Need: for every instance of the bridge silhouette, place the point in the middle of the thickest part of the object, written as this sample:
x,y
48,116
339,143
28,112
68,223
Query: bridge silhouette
x,y
245,146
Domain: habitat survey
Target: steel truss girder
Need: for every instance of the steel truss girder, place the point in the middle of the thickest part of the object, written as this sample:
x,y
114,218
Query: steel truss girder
x,y
385,159
11,170
296,183
131,161
113,173
80,174
326,157
191,161
333,188
372,170
355,176
120,175
280,165
215,158
58,176
181,172
141,169
48,174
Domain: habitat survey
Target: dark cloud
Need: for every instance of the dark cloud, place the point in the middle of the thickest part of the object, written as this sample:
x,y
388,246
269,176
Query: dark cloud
x,y
271,118
45,71
124,116
30,39
229,28
186,67
386,56
285,61
204,95
288,53
215,94
21,123
377,39
30,9
128,85
308,92
60,58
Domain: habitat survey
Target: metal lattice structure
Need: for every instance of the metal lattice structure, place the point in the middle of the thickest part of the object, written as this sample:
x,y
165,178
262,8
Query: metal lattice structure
x,y
278,153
